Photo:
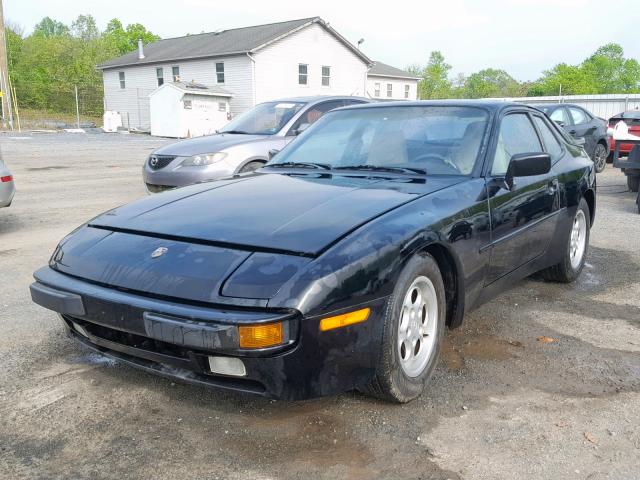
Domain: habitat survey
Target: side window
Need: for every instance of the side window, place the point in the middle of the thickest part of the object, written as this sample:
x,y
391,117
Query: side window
x,y
376,90
579,117
313,114
517,135
122,81
160,76
560,115
551,143
175,73
302,73
219,72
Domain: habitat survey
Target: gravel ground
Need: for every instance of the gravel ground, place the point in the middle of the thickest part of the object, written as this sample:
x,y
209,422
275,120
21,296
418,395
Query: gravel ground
x,y
502,404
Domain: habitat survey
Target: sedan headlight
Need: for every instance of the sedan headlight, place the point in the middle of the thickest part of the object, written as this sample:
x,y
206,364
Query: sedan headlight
x,y
203,159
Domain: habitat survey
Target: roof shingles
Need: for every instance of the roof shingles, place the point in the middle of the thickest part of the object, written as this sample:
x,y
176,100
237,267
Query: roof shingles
x,y
384,70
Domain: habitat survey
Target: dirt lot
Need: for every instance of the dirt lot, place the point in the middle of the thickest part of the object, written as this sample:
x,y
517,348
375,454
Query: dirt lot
x,y
502,404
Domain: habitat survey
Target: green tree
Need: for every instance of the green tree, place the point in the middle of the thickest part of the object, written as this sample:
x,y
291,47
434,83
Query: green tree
x,y
121,40
491,82
48,28
84,27
434,82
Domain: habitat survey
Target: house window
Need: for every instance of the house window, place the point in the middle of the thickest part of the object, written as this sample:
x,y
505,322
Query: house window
x,y
220,72
376,92
222,107
302,74
160,76
175,72
389,90
406,91
121,76
326,76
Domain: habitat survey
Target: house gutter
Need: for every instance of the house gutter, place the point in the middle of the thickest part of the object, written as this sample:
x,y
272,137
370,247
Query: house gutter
x,y
253,77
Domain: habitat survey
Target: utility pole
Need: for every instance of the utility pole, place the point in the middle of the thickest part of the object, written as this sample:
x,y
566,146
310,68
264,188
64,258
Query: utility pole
x,y
7,111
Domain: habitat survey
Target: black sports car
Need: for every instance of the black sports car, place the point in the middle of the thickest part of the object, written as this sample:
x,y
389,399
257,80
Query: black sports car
x,y
340,264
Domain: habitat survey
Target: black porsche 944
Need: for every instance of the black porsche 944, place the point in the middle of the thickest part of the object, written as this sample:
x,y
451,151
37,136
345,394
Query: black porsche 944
x,y
341,263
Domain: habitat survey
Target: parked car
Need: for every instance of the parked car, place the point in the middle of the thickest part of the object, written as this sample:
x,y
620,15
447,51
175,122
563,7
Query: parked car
x,y
7,185
580,123
339,264
632,119
241,146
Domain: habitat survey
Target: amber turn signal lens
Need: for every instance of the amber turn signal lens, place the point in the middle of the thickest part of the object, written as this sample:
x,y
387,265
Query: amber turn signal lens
x,y
260,336
345,319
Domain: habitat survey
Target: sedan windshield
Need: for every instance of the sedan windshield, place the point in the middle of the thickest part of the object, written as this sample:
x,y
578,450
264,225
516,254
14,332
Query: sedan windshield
x,y
264,119
438,140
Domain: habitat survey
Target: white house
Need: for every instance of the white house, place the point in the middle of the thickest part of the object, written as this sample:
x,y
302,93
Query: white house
x,y
181,110
385,82
253,64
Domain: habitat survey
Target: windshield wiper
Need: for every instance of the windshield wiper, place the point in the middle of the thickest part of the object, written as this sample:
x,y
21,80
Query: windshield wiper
x,y
322,166
240,132
373,168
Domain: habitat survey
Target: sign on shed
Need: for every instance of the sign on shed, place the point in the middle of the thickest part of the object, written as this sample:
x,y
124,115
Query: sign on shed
x,y
182,110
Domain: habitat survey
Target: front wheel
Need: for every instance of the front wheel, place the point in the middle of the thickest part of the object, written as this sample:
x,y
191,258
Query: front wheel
x,y
414,326
251,166
600,157
575,251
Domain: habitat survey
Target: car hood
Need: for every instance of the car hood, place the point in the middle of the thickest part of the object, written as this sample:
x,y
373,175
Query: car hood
x,y
301,214
208,144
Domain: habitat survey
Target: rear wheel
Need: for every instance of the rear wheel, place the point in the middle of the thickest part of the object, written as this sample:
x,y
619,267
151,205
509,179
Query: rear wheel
x,y
576,248
414,326
633,182
600,157
251,166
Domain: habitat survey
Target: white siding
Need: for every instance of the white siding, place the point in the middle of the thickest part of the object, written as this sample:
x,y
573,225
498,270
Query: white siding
x,y
398,87
276,67
141,80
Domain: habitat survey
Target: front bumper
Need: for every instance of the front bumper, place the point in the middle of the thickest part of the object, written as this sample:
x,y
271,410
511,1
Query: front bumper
x,y
173,175
175,340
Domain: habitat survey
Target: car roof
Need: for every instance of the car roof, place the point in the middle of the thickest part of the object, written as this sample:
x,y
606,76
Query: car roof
x,y
319,98
492,105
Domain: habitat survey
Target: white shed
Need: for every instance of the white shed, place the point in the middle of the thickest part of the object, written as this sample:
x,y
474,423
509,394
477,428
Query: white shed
x,y
182,110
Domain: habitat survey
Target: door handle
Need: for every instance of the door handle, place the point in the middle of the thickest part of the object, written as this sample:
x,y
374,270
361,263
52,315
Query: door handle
x,y
552,187
572,132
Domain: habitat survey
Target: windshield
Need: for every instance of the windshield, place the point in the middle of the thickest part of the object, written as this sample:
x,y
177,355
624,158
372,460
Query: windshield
x,y
264,119
443,140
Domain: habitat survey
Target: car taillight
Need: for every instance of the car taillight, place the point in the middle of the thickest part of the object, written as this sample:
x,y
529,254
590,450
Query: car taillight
x,y
6,179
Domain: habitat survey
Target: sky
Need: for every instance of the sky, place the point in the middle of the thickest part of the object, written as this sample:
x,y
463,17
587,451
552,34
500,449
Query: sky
x,y
523,37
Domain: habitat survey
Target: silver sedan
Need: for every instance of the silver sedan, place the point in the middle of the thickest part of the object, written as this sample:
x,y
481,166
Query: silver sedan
x,y
7,185
241,146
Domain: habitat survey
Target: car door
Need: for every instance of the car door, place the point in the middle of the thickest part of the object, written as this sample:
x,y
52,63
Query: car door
x,y
583,127
523,217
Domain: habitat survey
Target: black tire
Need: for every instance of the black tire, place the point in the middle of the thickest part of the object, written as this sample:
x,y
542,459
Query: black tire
x,y
633,182
565,272
390,382
251,166
600,157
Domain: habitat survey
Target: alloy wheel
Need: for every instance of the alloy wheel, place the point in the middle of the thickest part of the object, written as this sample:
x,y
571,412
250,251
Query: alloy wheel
x,y
600,157
417,329
578,240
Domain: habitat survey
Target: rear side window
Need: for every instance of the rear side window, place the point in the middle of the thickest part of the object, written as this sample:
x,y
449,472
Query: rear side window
x,y
517,135
313,114
560,115
579,117
551,143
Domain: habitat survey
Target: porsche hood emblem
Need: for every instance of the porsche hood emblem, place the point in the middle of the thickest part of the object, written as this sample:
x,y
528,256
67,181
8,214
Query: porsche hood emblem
x,y
158,252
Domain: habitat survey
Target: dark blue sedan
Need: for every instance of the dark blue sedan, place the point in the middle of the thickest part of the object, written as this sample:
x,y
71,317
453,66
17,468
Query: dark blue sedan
x,y
341,263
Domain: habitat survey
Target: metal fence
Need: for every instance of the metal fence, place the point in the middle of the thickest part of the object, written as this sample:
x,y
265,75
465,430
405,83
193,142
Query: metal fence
x,y
56,106
132,104
604,106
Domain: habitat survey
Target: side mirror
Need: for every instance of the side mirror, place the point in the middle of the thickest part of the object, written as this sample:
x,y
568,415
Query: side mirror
x,y
273,152
301,128
527,165
579,141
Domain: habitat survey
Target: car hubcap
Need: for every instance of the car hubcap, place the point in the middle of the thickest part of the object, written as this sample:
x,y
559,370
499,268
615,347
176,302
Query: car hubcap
x,y
600,155
578,240
418,326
